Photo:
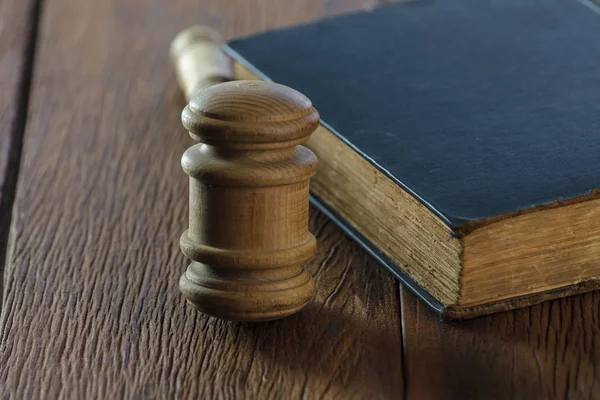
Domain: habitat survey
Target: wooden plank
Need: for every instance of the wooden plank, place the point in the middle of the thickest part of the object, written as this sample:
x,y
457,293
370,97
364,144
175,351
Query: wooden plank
x,y
18,22
92,308
548,351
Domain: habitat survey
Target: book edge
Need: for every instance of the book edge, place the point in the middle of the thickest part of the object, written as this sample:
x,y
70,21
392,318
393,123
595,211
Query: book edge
x,y
379,256
445,312
472,225
452,313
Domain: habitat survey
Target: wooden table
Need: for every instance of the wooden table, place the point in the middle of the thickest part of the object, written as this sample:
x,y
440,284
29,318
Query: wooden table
x,y
90,147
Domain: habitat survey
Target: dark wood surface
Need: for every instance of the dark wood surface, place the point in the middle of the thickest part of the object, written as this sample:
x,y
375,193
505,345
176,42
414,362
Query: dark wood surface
x,y
90,305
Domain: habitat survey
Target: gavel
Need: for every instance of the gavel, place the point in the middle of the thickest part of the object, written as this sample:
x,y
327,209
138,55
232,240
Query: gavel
x,y
249,177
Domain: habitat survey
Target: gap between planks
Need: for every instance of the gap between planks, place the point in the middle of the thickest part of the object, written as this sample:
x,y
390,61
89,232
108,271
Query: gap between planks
x,y
17,137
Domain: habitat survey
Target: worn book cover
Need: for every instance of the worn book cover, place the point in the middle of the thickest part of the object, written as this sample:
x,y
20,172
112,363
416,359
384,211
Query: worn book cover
x,y
460,141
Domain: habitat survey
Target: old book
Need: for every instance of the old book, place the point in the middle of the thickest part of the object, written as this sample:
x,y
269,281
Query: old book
x,y
460,142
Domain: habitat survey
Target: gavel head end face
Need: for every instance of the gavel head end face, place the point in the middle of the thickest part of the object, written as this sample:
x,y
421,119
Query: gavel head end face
x,y
251,112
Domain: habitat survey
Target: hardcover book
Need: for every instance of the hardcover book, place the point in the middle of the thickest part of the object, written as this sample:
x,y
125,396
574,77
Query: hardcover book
x,y
459,144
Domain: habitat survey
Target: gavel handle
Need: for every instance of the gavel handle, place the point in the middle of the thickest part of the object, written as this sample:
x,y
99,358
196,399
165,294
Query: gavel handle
x,y
199,60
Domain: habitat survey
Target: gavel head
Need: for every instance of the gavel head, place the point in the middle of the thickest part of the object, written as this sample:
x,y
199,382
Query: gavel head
x,y
248,227
250,115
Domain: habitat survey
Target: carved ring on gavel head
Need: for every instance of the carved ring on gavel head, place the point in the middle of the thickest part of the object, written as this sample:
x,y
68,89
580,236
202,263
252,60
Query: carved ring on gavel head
x,y
249,180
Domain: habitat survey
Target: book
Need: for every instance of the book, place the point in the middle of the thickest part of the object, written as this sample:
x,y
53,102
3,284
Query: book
x,y
459,143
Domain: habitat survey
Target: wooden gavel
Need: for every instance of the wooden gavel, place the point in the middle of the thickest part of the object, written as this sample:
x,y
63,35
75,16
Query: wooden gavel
x,y
249,179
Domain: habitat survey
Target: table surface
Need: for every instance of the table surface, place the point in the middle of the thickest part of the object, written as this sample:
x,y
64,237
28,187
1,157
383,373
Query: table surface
x,y
92,204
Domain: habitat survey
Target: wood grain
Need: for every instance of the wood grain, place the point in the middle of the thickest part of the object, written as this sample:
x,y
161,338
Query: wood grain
x,y
18,22
92,308
548,351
